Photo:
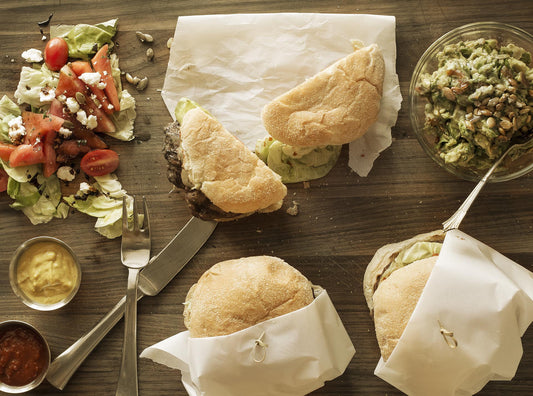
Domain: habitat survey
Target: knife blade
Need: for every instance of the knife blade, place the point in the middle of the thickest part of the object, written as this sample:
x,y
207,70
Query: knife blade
x,y
153,278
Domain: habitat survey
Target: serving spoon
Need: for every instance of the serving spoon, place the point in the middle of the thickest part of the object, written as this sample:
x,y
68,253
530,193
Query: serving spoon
x,y
455,220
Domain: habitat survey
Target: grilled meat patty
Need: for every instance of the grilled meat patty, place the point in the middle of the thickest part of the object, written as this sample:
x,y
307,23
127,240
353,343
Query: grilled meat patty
x,y
199,205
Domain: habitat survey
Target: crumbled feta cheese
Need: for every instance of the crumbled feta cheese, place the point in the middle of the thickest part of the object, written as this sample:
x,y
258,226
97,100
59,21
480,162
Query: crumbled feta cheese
x,y
66,173
92,122
46,95
85,188
81,116
65,133
32,55
17,131
90,78
62,98
101,85
110,106
73,105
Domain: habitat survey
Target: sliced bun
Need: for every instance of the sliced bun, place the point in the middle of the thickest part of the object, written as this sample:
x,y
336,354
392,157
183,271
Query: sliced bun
x,y
395,300
383,258
224,169
334,107
236,294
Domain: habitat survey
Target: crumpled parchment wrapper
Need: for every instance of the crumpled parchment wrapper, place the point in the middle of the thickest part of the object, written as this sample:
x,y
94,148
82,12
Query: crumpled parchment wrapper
x,y
232,65
290,355
466,329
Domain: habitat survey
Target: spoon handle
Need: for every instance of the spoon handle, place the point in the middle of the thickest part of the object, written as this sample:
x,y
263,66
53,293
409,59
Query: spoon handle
x,y
455,220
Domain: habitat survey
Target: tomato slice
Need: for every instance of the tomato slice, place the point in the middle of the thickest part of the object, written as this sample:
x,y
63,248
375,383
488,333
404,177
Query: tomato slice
x,y
27,154
56,53
38,125
4,178
99,162
71,149
80,67
69,85
5,150
102,65
50,164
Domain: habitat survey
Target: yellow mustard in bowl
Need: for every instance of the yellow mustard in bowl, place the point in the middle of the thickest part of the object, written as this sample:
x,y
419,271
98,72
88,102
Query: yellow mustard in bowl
x,y
45,273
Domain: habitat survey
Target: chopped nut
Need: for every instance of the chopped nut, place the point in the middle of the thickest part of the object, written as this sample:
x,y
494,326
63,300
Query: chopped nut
x,y
293,210
150,54
129,78
506,124
80,98
491,122
144,37
141,85
448,94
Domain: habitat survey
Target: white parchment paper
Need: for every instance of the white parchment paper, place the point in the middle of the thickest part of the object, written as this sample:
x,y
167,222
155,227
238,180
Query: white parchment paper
x,y
301,351
233,65
486,301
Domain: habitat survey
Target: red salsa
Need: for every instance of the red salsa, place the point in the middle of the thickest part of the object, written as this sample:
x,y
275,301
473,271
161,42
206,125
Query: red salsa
x,y
23,355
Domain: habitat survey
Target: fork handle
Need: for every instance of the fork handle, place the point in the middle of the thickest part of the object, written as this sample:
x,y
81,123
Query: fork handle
x,y
127,379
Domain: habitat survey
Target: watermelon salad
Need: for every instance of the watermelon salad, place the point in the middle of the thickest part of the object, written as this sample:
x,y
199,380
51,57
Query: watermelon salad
x,y
65,102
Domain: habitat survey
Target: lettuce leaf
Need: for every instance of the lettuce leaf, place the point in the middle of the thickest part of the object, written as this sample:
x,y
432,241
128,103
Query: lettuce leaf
x,y
8,111
104,203
32,81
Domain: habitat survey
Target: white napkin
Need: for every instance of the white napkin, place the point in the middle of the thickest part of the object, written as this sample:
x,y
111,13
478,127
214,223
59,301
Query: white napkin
x,y
290,355
486,301
233,65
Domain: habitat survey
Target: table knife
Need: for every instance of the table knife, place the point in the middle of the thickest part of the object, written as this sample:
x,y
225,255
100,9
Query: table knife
x,y
152,279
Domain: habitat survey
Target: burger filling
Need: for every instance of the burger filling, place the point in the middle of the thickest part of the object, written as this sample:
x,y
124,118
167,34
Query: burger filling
x,y
415,252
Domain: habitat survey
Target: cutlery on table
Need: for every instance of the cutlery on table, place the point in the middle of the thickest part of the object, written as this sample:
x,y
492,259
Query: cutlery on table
x,y
153,278
455,220
135,255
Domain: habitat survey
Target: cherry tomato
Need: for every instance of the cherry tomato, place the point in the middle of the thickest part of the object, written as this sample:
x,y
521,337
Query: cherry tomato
x,y
56,53
99,162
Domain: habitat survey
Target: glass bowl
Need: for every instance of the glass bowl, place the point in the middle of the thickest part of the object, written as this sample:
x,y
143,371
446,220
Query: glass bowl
x,y
45,273
27,354
512,167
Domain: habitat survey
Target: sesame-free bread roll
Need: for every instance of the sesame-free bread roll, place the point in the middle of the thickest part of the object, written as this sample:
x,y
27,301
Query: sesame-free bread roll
x,y
236,294
395,300
334,107
219,165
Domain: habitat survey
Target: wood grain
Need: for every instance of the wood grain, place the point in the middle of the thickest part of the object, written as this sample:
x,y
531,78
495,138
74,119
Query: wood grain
x,y
343,218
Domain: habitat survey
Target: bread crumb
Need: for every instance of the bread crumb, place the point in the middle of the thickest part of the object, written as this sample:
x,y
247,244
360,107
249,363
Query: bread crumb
x,y
307,184
293,210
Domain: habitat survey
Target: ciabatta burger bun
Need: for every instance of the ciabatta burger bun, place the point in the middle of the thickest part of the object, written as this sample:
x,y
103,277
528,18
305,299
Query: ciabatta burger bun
x,y
236,294
334,107
392,292
221,178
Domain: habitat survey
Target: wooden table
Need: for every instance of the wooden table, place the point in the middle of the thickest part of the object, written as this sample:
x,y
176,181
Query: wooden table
x,y
343,218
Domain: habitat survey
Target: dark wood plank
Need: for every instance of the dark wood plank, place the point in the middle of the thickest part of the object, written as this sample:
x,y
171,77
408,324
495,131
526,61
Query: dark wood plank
x,y
343,218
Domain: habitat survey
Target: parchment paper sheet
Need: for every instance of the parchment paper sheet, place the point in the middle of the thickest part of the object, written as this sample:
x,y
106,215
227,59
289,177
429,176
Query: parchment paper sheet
x,y
481,296
303,349
233,65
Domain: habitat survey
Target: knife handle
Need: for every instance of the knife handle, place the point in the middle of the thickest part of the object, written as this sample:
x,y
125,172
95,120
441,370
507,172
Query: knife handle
x,y
66,364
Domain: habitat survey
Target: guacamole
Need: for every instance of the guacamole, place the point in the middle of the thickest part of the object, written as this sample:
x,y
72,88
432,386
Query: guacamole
x,y
296,164
480,101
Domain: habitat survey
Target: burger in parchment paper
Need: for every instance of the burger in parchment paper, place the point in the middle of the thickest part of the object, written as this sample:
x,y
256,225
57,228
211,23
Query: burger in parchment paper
x,y
394,281
218,176
308,124
236,294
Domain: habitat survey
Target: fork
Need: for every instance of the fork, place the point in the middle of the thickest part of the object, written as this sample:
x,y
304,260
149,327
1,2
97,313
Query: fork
x,y
455,220
135,254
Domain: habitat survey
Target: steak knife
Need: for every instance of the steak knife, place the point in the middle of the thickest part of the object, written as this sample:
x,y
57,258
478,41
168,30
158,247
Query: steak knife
x,y
152,279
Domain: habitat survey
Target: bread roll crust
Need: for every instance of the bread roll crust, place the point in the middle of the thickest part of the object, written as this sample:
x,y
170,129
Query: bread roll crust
x,y
236,294
395,300
334,107
383,258
224,169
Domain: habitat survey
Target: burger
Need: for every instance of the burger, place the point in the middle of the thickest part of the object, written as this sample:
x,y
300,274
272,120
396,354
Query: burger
x,y
217,175
308,125
236,294
394,281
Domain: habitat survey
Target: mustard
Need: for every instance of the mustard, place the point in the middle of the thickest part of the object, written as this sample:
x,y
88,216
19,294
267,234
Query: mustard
x,y
47,273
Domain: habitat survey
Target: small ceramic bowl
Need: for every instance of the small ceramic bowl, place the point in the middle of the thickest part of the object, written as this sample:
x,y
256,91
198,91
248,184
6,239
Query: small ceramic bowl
x,y
17,336
505,34
45,273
